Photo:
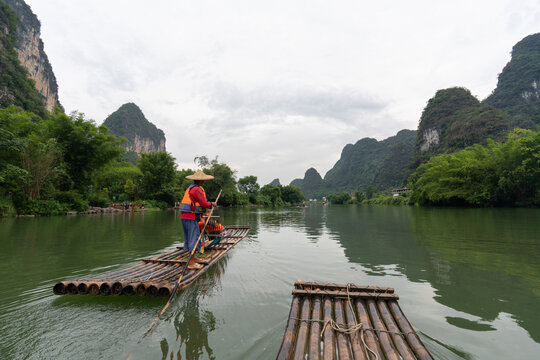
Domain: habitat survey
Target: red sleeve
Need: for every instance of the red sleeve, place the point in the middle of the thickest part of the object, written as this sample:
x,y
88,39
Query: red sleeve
x,y
198,196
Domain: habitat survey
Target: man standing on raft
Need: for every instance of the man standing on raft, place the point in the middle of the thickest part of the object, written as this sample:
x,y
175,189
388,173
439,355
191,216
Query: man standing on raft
x,y
193,205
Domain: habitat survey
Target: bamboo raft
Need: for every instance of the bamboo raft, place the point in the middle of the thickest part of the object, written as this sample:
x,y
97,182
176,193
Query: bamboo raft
x,y
155,276
331,321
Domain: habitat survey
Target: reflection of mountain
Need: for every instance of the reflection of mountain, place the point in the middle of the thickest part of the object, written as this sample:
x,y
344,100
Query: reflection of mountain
x,y
376,236
479,261
313,223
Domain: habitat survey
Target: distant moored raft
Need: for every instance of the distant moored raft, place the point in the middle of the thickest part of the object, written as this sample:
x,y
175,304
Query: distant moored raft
x,y
154,276
331,321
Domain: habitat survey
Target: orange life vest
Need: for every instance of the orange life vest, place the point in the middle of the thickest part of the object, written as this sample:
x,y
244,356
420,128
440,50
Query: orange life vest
x,y
212,227
189,206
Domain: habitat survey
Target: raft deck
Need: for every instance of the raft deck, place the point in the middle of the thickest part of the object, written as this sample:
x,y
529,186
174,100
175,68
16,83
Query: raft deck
x,y
331,321
155,276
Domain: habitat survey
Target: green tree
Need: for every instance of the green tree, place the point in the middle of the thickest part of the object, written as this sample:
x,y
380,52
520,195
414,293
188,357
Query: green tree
x,y
15,125
343,198
130,188
225,180
85,147
497,174
159,170
248,185
37,159
359,196
273,193
291,194
370,191
114,176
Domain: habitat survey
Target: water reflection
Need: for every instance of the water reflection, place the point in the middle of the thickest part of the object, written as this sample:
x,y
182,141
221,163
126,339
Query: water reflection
x,y
314,222
483,262
192,321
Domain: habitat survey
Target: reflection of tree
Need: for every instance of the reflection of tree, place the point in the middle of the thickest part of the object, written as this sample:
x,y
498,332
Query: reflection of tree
x,y
492,261
272,220
192,322
192,327
479,261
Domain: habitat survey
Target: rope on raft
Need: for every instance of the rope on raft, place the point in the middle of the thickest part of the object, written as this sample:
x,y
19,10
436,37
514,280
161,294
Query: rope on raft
x,y
350,329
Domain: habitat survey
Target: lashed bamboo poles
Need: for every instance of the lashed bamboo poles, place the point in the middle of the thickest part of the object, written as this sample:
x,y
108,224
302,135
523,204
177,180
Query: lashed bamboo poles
x,y
363,327
150,278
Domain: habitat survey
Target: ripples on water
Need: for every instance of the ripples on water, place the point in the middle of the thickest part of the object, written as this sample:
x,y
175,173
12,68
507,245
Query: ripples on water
x,y
468,280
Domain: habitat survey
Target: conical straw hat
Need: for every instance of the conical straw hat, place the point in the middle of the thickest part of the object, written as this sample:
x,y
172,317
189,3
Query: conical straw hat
x,y
199,175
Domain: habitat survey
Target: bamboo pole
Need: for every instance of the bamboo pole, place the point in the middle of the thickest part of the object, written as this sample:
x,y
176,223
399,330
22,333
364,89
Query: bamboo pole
x,y
354,288
384,338
355,339
412,338
329,350
301,338
369,334
399,340
314,339
286,348
342,339
59,288
345,294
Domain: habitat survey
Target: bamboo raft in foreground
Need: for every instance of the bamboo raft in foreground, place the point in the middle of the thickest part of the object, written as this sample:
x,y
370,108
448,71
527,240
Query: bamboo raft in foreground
x,y
155,276
330,321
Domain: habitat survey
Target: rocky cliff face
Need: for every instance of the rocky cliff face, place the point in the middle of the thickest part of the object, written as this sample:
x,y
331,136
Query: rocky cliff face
x,y
129,122
31,55
144,145
518,86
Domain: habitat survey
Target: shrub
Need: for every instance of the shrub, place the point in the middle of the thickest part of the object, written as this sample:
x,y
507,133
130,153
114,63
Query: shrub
x,y
43,207
6,207
99,199
155,204
74,200
343,198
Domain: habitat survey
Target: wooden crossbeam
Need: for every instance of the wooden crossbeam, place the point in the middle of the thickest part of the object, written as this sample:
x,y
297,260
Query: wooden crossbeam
x,y
200,260
344,294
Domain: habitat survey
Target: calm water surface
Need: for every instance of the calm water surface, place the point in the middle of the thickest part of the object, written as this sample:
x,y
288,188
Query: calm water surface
x,y
468,280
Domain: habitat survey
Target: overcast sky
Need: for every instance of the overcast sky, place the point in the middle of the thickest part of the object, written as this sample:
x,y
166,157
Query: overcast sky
x,y
275,87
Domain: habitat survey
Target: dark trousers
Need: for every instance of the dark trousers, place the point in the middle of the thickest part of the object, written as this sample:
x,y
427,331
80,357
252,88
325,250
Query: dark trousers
x,y
191,234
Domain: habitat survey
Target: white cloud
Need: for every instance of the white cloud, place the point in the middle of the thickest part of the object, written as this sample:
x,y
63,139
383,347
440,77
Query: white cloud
x,y
276,87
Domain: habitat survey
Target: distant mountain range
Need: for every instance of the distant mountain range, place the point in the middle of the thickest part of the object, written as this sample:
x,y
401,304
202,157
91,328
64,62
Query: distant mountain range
x,y
365,163
452,120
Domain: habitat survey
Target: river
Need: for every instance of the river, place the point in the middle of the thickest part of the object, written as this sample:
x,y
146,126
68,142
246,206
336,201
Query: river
x,y
468,280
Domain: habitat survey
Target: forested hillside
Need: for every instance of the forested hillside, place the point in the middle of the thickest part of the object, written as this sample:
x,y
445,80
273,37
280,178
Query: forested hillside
x,y
454,119
518,87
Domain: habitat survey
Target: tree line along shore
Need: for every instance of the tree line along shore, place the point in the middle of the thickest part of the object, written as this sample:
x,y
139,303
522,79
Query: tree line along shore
x,y
58,163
